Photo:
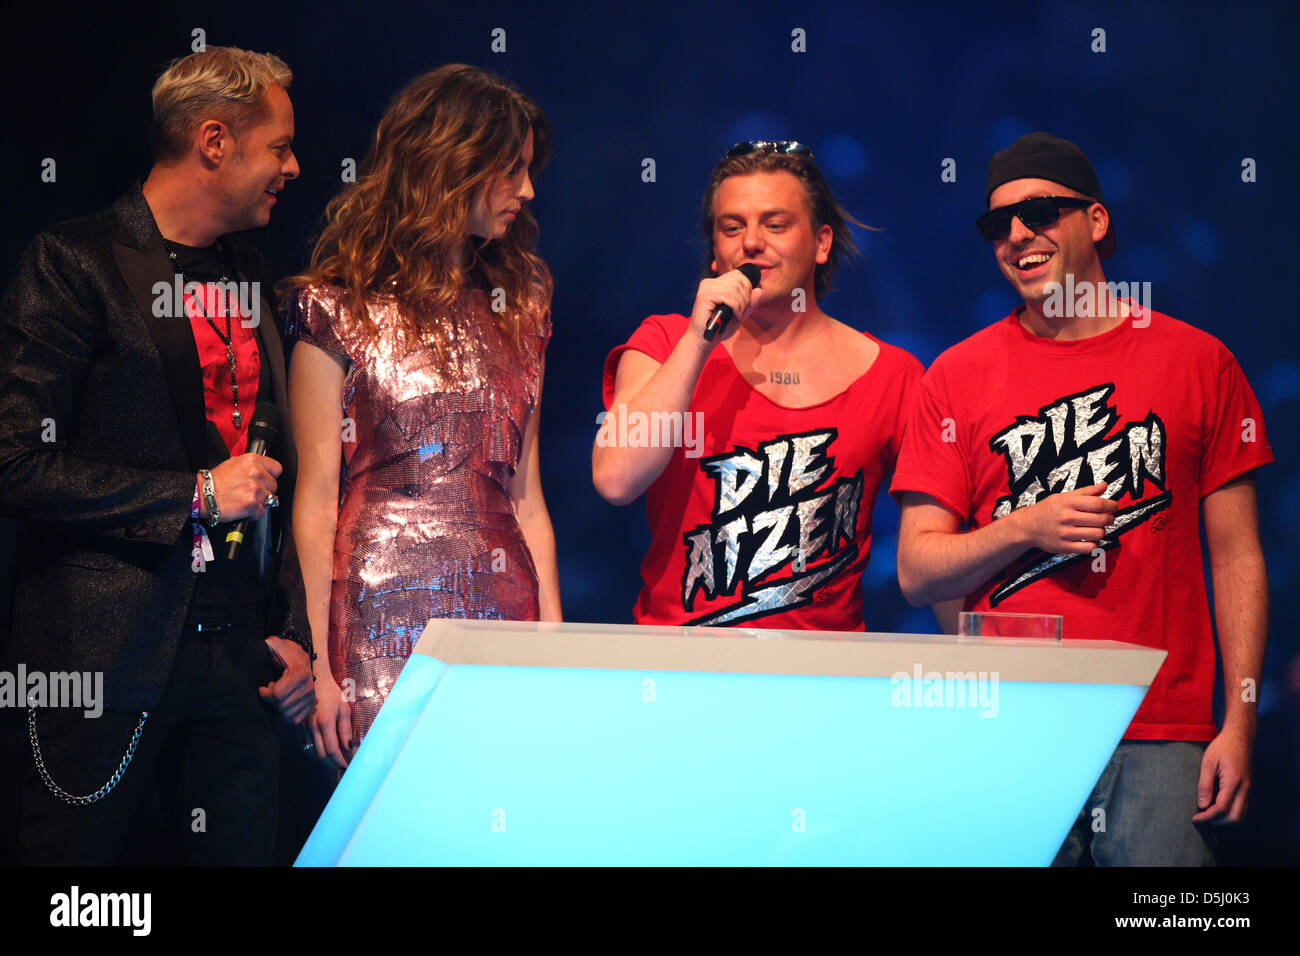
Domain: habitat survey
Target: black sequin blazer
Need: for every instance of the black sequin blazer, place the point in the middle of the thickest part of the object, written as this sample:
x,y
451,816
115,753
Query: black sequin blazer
x,y
102,429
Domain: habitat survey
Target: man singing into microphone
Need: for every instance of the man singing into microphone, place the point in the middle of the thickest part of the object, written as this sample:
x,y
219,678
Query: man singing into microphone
x,y
761,449
1081,440
137,346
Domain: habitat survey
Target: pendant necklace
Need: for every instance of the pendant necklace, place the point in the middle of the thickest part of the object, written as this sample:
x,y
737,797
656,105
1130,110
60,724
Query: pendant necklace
x,y
227,340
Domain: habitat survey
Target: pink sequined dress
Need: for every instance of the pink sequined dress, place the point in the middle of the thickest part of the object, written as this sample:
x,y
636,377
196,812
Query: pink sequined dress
x,y
426,524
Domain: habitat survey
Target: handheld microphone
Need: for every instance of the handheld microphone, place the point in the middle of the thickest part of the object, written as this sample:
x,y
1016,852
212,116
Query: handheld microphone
x,y
261,435
723,314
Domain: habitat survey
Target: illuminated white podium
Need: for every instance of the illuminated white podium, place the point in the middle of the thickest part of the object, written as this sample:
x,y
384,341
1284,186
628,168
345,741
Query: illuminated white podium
x,y
588,744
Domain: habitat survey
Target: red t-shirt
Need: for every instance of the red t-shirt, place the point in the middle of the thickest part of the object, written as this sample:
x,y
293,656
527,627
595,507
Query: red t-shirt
x,y
763,515
1163,414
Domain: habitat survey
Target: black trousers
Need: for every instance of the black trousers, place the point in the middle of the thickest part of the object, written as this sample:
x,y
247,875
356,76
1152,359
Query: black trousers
x,y
209,741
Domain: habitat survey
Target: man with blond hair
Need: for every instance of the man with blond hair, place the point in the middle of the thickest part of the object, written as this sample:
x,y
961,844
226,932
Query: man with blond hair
x,y
135,356
793,418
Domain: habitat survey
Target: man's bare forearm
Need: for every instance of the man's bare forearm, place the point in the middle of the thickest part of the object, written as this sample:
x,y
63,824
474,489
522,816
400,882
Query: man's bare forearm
x,y
1241,614
621,473
941,566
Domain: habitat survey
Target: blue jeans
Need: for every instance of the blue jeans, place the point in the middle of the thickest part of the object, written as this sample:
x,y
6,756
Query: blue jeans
x,y
1140,811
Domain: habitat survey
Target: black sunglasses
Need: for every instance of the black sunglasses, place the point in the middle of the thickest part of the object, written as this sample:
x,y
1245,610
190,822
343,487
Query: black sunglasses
x,y
788,146
1035,213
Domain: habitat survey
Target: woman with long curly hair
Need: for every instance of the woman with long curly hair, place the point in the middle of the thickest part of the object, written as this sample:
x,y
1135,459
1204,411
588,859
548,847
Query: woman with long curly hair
x,y
422,323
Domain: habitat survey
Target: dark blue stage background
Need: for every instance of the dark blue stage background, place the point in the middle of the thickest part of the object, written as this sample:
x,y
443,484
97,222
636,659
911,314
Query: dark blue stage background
x,y
1181,95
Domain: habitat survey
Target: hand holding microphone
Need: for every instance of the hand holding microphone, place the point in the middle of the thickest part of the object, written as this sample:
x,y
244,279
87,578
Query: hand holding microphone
x,y
262,433
730,294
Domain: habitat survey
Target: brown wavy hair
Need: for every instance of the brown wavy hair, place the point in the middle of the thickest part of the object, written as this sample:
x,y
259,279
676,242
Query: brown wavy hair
x,y
402,228
820,202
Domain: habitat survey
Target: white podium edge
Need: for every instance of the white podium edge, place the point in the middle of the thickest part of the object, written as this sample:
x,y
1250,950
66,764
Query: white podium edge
x,y
758,651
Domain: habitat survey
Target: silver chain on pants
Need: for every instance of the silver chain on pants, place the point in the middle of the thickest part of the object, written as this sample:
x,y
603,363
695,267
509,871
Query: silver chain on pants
x,y
103,791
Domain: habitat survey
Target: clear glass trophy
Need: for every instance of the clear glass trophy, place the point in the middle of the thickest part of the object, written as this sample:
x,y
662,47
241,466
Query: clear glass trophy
x,y
985,625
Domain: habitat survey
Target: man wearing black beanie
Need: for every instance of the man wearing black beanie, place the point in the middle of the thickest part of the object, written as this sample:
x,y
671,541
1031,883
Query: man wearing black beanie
x,y
1081,439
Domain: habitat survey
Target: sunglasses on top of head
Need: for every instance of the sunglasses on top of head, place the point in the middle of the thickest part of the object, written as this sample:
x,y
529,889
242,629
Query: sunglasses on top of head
x,y
1034,213
788,147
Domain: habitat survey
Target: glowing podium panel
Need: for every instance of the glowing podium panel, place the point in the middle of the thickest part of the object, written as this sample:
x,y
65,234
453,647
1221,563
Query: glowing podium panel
x,y
586,744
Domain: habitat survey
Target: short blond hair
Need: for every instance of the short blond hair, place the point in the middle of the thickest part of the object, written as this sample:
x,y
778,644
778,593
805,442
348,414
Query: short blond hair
x,y
220,82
